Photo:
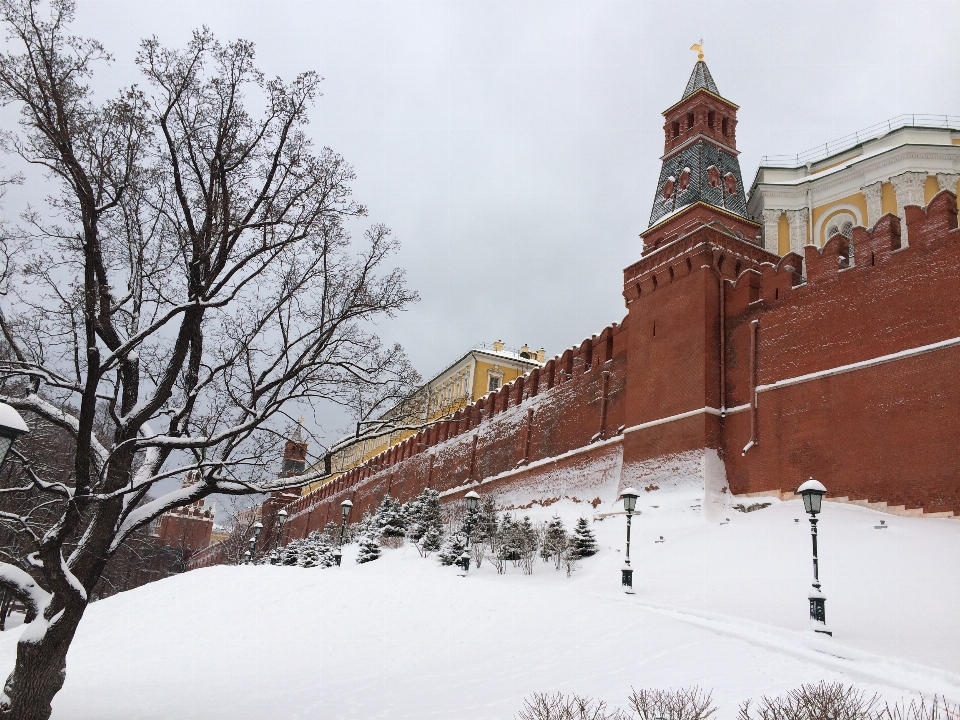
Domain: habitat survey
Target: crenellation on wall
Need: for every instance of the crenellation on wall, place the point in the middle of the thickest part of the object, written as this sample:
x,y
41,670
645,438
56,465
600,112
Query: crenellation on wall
x,y
548,412
857,369
934,224
841,363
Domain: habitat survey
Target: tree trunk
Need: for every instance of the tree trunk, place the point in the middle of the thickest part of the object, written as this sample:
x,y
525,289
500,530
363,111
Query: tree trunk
x,y
40,669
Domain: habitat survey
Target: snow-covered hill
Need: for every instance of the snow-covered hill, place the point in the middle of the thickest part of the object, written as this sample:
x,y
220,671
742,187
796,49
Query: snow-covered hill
x,y
719,604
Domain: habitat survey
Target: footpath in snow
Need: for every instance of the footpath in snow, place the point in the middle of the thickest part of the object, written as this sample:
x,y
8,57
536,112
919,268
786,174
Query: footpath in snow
x,y
719,604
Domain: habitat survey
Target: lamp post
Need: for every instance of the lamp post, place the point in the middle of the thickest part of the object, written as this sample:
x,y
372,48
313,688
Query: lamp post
x,y
12,426
473,500
812,492
257,528
345,507
281,519
629,497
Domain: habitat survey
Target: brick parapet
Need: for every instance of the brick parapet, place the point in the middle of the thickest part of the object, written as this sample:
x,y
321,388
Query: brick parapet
x,y
730,317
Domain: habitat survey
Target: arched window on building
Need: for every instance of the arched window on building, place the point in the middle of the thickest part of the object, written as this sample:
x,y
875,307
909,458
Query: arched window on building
x,y
840,224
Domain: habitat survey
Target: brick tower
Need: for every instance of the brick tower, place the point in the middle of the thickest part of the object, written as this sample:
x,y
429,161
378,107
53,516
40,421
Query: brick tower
x,y
295,454
700,179
699,241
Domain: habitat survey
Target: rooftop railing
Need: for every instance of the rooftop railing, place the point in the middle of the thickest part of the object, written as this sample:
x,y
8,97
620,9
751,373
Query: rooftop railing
x,y
509,351
839,145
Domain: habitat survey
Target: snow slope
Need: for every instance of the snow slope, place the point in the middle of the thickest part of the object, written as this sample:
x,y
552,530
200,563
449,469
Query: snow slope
x,y
719,604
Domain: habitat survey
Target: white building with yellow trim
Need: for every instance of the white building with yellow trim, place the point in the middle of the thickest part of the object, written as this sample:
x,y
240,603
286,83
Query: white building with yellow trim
x,y
807,198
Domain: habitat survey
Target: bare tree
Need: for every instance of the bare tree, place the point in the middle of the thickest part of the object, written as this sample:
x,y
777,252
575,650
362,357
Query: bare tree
x,y
682,704
557,706
823,701
191,284
240,520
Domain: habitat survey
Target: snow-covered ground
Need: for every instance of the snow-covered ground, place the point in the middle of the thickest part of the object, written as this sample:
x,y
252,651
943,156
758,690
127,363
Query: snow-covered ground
x,y
722,605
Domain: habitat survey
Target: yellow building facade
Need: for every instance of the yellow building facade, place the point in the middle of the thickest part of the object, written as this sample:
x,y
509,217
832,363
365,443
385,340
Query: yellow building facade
x,y
808,198
481,370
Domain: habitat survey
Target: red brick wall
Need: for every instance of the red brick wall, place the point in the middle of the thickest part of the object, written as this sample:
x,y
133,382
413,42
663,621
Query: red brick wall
x,y
184,530
885,432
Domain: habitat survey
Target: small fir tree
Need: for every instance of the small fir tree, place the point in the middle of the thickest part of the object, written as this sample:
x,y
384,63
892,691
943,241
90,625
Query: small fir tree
x,y
583,543
310,557
423,515
390,518
317,551
487,519
290,553
431,541
452,550
529,543
471,519
509,539
369,548
554,542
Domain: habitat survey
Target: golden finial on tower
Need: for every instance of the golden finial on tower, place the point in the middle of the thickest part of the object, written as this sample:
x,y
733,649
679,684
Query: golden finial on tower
x,y
699,48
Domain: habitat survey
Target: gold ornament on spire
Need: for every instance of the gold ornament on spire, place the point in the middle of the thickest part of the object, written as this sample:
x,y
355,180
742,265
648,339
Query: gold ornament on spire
x,y
699,48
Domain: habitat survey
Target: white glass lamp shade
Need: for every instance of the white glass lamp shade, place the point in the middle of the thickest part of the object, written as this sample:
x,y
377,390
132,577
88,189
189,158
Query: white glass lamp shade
x,y
282,516
345,507
812,492
12,426
472,500
629,497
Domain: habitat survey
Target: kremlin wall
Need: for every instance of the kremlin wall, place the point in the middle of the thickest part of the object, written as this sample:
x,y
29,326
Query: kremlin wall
x,y
748,369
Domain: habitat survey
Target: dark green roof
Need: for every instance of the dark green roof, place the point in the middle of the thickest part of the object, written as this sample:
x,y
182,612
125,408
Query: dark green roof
x,y
700,79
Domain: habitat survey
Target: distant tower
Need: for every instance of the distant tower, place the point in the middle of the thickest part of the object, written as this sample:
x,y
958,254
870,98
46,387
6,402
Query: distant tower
x,y
188,528
700,179
295,454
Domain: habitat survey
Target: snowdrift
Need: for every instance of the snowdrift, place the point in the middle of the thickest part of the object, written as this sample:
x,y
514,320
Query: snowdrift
x,y
720,603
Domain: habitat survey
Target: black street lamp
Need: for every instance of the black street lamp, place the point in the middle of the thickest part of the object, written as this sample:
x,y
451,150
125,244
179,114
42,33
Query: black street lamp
x,y
473,501
257,527
629,497
281,519
12,426
812,492
345,507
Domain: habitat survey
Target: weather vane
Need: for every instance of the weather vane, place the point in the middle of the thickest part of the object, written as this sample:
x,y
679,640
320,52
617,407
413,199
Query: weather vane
x,y
699,48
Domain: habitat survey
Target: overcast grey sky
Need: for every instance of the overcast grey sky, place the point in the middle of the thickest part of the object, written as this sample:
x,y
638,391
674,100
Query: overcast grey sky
x,y
513,146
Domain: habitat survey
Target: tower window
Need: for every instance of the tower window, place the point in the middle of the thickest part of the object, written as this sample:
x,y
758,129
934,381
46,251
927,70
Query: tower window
x,y
713,176
730,183
725,126
689,120
668,187
676,128
711,118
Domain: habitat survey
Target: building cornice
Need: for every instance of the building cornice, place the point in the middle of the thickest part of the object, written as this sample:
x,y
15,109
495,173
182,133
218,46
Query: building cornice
x,y
693,95
691,141
683,211
855,175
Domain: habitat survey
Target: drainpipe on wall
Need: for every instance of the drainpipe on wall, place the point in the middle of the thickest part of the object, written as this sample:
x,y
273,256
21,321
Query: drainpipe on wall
x,y
723,345
754,327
